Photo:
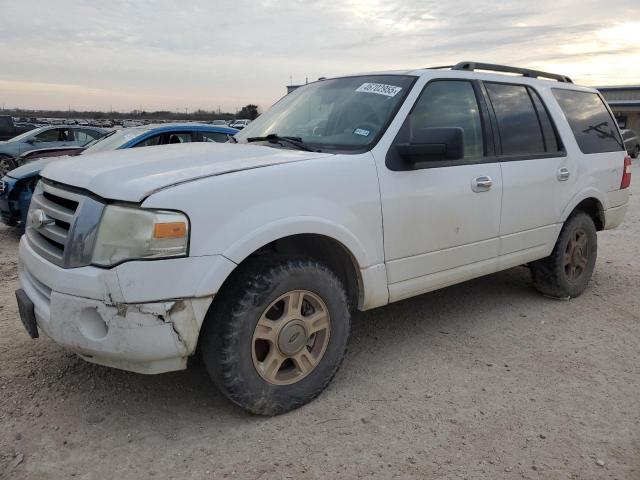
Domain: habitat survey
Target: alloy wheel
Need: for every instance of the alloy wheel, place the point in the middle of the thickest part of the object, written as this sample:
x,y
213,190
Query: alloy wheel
x,y
291,337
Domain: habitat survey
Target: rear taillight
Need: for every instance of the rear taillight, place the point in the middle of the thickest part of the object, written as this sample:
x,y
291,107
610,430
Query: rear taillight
x,y
626,173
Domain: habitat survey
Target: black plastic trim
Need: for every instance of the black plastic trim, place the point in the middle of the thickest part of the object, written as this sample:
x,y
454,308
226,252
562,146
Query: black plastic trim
x,y
525,72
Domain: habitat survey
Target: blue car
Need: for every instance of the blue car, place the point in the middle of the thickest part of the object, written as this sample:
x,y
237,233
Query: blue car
x,y
16,187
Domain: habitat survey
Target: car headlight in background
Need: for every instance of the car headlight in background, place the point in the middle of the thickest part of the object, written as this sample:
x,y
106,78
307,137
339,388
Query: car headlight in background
x,y
127,233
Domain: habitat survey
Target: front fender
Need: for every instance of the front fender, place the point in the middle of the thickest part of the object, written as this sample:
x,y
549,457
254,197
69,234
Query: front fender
x,y
286,227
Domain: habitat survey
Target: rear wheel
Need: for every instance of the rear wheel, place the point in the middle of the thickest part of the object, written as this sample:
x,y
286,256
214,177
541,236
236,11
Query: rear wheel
x,y
277,333
6,165
567,271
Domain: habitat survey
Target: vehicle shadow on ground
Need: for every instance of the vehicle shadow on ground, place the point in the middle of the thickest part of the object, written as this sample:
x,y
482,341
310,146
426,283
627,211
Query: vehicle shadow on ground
x,y
406,325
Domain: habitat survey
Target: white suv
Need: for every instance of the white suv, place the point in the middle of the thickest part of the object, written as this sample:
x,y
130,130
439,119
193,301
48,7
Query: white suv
x,y
350,193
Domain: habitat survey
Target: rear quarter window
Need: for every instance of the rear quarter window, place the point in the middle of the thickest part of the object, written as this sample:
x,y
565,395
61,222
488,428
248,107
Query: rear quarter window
x,y
590,121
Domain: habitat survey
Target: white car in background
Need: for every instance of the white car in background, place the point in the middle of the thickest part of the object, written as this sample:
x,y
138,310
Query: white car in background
x,y
240,124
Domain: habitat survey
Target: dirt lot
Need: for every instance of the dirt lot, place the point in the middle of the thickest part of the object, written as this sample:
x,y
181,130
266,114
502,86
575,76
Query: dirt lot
x,y
482,380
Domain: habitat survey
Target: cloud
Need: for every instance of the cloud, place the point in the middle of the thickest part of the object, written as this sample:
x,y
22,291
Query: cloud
x,y
167,54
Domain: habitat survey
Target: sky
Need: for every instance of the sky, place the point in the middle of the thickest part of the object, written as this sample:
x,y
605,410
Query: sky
x,y
173,55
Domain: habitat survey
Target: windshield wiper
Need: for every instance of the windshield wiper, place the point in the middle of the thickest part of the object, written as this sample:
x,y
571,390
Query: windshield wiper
x,y
275,138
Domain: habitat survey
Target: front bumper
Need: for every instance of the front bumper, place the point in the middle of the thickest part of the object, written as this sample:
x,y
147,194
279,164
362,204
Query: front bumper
x,y
84,309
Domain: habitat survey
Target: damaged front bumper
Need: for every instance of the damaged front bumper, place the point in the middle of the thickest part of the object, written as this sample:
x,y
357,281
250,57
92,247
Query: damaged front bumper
x,y
92,318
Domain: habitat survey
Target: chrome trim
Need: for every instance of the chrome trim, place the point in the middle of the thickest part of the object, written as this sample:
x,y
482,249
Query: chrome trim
x,y
51,209
66,240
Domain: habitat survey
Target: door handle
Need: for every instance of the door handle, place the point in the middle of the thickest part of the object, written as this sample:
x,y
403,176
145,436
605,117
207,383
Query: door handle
x,y
563,174
481,184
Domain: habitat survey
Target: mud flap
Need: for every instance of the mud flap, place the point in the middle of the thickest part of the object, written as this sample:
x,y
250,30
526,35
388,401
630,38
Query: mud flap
x,y
27,313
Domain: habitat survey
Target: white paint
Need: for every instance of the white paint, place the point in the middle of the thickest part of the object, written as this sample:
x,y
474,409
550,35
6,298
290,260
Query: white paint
x,y
437,230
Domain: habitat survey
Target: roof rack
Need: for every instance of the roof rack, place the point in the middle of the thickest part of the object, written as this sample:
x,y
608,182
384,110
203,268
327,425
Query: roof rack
x,y
525,72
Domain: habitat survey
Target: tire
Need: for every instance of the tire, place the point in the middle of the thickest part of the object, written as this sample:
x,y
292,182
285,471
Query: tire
x,y
6,165
253,296
559,275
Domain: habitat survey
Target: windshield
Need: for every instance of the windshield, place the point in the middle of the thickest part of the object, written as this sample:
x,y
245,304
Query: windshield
x,y
343,113
114,141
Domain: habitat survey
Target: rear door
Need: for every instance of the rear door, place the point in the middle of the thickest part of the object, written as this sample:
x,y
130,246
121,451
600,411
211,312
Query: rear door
x,y
441,218
536,174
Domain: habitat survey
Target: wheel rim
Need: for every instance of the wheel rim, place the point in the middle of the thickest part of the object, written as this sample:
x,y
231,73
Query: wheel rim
x,y
291,337
576,256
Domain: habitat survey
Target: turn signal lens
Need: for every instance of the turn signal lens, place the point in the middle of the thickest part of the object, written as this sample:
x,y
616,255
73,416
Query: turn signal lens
x,y
170,230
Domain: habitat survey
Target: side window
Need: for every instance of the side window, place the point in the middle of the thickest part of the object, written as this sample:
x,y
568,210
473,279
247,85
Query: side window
x,y
151,141
451,103
65,135
214,137
551,142
180,137
594,128
520,131
86,136
50,135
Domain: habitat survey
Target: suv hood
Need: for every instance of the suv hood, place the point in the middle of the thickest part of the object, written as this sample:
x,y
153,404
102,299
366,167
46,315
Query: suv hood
x,y
134,174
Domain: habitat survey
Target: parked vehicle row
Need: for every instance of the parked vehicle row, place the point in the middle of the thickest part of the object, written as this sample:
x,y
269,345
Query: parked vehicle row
x,y
23,124
10,129
64,136
16,187
349,193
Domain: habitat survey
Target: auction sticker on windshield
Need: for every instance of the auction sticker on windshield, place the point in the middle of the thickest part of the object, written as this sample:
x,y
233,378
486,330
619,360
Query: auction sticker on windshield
x,y
379,88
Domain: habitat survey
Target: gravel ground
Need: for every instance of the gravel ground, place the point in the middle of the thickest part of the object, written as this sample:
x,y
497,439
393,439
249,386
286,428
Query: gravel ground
x,y
483,380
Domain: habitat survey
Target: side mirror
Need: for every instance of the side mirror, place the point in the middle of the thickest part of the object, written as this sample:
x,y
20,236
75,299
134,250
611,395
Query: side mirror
x,y
433,144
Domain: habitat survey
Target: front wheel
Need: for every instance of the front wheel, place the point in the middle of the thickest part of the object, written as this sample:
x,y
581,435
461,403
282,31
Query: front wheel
x,y
276,334
567,271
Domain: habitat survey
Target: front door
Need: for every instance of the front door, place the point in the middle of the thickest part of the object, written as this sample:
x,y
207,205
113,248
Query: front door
x,y
441,219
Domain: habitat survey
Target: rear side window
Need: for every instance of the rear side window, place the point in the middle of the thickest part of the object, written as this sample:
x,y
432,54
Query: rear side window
x,y
551,142
86,136
151,141
592,124
214,137
520,129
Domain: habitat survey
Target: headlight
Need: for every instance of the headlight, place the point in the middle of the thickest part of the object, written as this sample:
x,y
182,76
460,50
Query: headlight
x,y
127,233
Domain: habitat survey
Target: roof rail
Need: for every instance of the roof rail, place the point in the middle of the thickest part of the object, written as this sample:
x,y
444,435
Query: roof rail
x,y
525,72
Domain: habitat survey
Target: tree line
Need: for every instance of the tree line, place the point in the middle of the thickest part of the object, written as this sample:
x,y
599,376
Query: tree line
x,y
250,112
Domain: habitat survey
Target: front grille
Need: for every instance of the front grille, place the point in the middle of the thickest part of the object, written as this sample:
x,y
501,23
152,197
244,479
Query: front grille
x,y
61,224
